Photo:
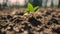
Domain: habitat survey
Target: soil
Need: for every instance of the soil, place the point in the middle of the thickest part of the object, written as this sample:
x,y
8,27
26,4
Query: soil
x,y
43,21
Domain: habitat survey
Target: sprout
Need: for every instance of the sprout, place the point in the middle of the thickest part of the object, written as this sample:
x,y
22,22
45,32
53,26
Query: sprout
x,y
30,8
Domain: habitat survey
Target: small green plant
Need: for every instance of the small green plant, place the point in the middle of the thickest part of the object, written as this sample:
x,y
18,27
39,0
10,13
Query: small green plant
x,y
30,8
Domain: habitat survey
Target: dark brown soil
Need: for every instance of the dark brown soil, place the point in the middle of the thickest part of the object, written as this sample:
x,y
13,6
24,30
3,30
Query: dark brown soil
x,y
44,21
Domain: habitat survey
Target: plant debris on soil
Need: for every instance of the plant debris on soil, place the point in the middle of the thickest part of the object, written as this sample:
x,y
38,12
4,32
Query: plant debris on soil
x,y
43,21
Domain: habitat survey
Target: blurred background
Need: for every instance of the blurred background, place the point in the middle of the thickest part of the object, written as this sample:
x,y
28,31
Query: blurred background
x,y
23,3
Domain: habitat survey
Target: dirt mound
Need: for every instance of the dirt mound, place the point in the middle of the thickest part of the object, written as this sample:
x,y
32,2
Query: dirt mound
x,y
44,21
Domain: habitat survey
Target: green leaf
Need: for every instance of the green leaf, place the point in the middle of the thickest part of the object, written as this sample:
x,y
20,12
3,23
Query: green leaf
x,y
26,11
35,8
30,7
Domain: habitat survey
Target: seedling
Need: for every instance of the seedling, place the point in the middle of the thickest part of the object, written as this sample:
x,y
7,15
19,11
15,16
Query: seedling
x,y
30,8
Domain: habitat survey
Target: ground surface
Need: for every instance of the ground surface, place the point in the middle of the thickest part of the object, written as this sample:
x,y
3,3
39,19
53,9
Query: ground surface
x,y
44,21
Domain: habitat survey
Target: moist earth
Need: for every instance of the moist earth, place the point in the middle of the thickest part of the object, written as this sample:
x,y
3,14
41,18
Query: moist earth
x,y
43,21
